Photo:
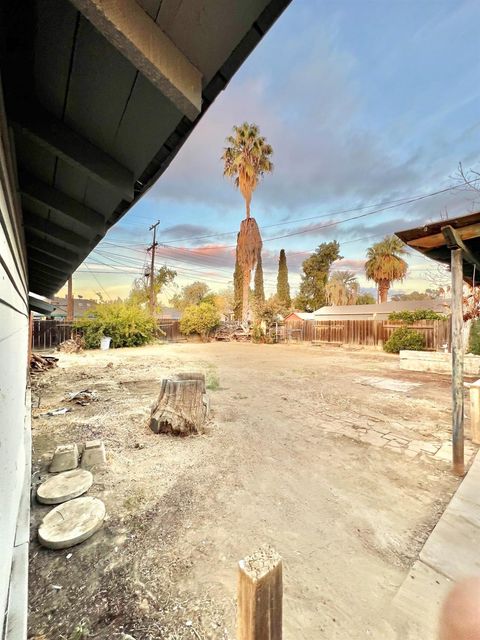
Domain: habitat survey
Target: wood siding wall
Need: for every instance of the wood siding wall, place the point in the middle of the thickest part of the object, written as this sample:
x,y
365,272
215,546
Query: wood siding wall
x,y
14,423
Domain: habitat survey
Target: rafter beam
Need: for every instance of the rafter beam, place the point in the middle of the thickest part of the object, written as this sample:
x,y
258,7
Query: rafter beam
x,y
51,249
454,240
37,191
438,239
48,261
52,134
39,267
54,231
131,30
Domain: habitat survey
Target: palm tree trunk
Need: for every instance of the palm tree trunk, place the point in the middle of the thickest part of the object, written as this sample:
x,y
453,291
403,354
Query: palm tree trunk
x,y
247,206
383,287
246,292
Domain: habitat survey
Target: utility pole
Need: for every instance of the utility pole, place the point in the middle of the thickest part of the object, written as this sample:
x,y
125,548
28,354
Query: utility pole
x,y
69,300
152,265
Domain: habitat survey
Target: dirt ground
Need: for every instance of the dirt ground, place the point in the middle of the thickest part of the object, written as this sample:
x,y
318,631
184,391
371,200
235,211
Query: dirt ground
x,y
304,451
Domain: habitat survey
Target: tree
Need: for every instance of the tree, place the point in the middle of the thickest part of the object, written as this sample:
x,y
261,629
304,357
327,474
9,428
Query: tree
x,y
246,159
200,318
237,290
283,288
384,264
259,291
140,291
342,288
190,294
316,268
365,298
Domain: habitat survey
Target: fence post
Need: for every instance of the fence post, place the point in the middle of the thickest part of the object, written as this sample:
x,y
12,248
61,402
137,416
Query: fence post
x,y
260,591
475,412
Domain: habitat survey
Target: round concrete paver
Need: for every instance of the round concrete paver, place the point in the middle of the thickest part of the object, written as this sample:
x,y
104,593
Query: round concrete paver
x,y
71,523
65,486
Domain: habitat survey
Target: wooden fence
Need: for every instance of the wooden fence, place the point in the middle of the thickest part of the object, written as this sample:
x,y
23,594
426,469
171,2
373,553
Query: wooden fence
x,y
371,332
47,334
171,328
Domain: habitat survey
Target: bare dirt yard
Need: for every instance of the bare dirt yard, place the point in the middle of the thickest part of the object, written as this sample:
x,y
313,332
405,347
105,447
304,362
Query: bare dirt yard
x,y
336,458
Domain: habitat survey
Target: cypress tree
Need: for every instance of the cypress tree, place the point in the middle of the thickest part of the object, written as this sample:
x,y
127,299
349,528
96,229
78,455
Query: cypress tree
x,y
259,291
237,290
283,288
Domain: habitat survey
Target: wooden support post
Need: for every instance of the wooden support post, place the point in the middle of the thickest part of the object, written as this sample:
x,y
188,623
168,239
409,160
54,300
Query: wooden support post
x,y
70,310
260,592
457,361
475,412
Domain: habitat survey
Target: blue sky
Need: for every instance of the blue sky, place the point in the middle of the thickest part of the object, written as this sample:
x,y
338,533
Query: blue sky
x,y
364,102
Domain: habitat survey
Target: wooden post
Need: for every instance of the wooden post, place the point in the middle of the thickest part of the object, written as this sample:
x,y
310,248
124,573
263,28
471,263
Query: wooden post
x,y
475,412
457,361
260,592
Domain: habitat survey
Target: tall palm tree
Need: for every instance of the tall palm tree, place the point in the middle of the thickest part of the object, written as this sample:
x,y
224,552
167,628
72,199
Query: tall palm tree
x,y
246,158
385,265
342,288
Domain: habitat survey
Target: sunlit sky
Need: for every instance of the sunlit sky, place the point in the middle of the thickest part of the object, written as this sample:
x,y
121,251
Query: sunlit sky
x,y
365,103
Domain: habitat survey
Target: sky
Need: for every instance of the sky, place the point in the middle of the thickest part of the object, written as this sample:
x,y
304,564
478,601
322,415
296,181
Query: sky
x,y
367,105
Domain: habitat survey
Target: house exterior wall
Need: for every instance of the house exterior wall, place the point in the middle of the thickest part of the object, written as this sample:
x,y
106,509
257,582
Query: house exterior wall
x,y
14,425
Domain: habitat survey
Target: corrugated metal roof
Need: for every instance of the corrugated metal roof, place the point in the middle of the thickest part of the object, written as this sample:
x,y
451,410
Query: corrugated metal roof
x,y
382,310
92,130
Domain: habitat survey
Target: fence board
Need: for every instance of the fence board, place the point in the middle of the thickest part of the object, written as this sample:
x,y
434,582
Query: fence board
x,y
48,334
171,328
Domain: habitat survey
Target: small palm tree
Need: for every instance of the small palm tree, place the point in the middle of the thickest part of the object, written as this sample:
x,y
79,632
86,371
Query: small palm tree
x,y
384,264
342,288
246,159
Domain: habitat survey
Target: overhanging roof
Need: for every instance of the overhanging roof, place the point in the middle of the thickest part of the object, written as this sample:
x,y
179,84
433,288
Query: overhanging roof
x,y
430,240
100,104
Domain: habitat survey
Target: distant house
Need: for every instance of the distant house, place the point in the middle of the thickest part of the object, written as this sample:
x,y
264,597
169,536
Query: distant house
x,y
170,313
297,326
296,316
80,306
378,311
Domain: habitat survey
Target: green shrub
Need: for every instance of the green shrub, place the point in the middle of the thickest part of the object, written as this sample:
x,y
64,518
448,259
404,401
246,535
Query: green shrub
x,y
404,338
410,317
258,334
474,341
199,318
127,324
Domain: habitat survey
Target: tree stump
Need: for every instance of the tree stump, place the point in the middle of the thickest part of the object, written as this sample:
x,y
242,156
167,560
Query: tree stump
x,y
182,405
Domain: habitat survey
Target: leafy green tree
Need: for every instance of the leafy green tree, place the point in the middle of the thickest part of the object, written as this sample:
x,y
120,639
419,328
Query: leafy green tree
x,y
342,288
193,293
200,318
385,265
283,288
140,291
316,269
365,298
259,291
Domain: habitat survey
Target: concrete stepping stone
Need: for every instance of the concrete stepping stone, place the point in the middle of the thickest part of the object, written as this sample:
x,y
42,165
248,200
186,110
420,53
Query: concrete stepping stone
x,y
93,454
64,458
72,522
64,486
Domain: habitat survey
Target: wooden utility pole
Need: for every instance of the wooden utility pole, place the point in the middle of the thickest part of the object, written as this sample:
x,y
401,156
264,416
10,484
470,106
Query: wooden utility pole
x,y
457,361
152,266
260,592
70,310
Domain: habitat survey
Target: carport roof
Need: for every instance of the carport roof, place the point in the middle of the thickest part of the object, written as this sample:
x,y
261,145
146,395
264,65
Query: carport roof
x,y
96,120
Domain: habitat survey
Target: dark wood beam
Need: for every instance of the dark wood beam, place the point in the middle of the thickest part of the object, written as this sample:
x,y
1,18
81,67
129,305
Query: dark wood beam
x,y
54,232
438,239
42,258
36,190
454,240
51,249
45,130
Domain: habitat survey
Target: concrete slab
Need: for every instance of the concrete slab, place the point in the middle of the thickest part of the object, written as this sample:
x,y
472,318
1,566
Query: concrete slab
x,y
389,384
64,486
16,620
417,604
64,458
71,523
93,454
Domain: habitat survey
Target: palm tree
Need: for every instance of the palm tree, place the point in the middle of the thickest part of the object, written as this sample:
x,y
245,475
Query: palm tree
x,y
246,159
384,264
342,288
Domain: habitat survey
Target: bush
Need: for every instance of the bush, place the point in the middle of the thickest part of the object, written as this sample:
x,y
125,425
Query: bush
x,y
199,318
404,338
414,316
127,324
474,341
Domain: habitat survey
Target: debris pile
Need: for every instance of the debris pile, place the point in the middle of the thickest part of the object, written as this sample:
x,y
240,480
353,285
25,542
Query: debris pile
x,y
41,363
235,332
73,345
84,397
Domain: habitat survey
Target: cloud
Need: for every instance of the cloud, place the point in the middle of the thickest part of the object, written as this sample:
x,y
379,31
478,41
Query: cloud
x,y
185,230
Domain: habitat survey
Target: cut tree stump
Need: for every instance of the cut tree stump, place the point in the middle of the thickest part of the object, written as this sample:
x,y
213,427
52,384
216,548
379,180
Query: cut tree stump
x,y
182,406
